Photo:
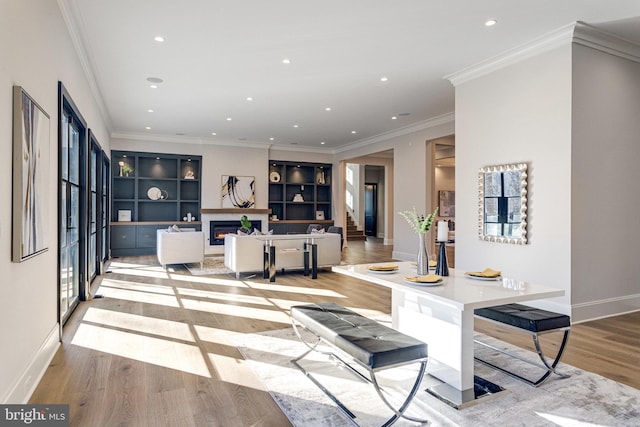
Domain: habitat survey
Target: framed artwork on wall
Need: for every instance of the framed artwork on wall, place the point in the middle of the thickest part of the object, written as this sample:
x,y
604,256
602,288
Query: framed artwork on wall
x,y
447,205
30,177
238,191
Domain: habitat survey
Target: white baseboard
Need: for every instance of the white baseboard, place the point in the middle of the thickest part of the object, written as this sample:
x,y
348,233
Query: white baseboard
x,y
604,308
26,384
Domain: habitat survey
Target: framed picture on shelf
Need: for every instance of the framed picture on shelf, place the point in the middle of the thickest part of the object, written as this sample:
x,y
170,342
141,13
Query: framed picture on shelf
x,y
124,215
30,177
320,215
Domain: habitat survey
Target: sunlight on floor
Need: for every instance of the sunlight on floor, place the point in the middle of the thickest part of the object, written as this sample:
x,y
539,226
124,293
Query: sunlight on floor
x,y
208,280
249,299
143,324
129,293
236,310
235,371
157,351
135,286
567,422
293,289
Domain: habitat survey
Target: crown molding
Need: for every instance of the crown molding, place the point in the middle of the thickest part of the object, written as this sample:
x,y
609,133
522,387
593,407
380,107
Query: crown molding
x,y
425,124
549,41
595,38
176,139
576,32
69,15
145,137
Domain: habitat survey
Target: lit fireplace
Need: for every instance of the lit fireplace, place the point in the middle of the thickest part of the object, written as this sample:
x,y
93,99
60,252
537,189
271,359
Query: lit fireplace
x,y
218,229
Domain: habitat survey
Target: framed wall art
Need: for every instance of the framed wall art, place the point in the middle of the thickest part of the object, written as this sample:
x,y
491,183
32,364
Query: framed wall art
x,y
238,191
447,203
30,176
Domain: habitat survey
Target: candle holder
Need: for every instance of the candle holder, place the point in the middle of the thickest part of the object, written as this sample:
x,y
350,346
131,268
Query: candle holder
x,y
442,267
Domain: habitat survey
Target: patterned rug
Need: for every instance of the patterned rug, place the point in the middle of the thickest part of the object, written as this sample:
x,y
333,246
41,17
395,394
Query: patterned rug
x,y
211,265
583,399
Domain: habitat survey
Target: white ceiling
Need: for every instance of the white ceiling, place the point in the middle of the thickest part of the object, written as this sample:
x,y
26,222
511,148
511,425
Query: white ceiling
x,y
218,53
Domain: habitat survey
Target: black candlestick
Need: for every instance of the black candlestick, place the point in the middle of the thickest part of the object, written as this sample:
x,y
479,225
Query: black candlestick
x,y
442,267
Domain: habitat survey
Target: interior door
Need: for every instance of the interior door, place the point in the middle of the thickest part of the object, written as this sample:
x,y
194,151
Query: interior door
x,y
370,209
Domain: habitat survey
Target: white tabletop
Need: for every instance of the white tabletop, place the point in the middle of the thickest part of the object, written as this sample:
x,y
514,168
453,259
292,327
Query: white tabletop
x,y
456,289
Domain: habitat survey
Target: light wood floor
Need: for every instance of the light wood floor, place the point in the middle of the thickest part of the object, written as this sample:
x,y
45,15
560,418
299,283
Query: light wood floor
x,y
158,348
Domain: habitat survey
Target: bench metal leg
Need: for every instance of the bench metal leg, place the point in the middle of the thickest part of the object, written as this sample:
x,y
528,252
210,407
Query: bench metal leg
x,y
398,412
549,368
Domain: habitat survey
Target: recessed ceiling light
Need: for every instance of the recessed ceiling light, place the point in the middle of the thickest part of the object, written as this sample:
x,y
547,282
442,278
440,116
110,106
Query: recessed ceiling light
x,y
296,126
153,86
384,79
213,133
327,109
353,131
229,119
249,98
148,127
154,79
491,23
149,110
271,139
322,143
286,61
394,118
159,39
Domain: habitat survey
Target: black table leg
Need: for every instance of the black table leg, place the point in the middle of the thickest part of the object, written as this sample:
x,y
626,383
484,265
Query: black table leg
x,y
272,263
305,256
265,262
314,260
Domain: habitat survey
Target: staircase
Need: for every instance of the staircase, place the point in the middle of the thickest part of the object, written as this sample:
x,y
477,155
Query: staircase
x,y
352,230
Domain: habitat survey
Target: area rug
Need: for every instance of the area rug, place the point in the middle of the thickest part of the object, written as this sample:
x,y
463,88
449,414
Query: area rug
x,y
583,399
211,265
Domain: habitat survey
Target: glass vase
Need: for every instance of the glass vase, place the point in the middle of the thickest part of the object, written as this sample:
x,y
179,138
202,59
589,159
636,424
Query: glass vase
x,y
422,258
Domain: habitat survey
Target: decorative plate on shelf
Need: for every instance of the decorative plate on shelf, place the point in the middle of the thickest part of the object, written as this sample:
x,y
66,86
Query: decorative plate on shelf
x,y
154,193
274,176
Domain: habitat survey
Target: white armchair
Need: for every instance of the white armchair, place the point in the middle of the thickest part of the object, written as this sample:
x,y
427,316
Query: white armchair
x,y
180,247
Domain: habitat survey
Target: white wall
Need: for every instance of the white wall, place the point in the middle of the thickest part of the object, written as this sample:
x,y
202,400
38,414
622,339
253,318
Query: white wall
x,y
36,52
521,113
217,160
605,173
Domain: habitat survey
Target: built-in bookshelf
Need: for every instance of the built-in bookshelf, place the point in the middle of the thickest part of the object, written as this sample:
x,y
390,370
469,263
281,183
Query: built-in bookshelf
x,y
299,194
151,191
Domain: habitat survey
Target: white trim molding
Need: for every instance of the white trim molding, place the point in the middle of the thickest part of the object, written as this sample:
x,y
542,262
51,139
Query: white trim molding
x,y
593,310
21,391
595,38
552,40
576,32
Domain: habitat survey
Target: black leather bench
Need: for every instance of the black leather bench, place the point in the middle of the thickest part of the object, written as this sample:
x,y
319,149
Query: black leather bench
x,y
531,320
370,344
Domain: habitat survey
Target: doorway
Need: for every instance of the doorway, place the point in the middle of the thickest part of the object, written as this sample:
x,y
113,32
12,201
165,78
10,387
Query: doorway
x,y
371,209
